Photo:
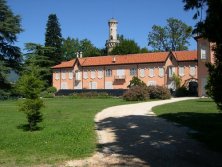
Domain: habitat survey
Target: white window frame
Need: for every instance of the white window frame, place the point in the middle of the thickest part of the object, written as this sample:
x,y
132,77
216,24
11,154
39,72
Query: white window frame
x,y
161,69
85,74
108,85
133,72
64,85
192,71
151,72
151,83
63,74
100,73
70,74
93,85
108,73
142,72
203,54
57,75
171,71
77,75
93,74
181,71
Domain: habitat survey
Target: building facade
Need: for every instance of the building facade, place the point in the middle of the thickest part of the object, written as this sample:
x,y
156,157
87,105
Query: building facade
x,y
115,72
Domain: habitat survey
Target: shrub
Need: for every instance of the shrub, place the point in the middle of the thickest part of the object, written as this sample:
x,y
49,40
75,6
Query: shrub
x,y
136,93
181,92
136,82
46,94
91,95
51,89
158,92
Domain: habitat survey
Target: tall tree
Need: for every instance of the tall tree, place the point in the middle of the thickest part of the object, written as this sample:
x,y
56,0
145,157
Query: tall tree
x,y
127,46
10,56
211,28
53,38
174,36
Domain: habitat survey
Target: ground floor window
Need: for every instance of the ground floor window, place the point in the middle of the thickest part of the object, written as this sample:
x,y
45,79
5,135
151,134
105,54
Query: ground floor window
x,y
151,83
64,85
93,85
108,85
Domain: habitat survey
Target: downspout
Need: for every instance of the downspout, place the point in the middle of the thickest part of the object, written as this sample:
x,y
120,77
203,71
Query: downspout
x,y
60,78
104,77
82,78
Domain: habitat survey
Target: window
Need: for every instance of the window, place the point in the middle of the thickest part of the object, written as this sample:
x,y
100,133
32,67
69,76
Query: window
x,y
151,72
57,75
192,70
93,74
100,73
108,85
171,71
132,72
63,74
203,54
85,74
120,73
93,85
64,85
70,74
181,71
151,83
142,72
108,72
78,76
161,72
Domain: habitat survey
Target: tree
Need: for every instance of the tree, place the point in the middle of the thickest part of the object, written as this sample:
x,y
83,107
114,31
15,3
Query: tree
x,y
211,29
10,55
126,46
174,36
30,86
136,82
53,38
36,56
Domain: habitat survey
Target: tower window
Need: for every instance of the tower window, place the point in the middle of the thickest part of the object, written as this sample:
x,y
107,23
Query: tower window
x,y
203,54
111,37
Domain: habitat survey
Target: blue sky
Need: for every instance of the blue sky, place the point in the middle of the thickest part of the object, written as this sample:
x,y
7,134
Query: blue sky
x,y
88,18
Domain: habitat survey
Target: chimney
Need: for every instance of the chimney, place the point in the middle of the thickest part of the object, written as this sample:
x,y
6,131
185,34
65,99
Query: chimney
x,y
77,54
80,54
114,59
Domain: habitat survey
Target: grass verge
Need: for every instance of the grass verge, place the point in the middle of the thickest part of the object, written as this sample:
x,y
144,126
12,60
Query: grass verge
x,y
67,131
200,115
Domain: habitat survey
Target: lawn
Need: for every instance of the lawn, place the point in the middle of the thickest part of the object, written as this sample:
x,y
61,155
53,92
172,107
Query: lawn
x,y
67,132
201,115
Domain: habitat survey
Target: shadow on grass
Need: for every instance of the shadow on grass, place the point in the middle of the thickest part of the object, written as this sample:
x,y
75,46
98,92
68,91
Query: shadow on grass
x,y
208,125
26,128
156,142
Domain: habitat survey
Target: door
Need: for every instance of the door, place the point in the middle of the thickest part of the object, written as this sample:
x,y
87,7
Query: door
x,y
203,84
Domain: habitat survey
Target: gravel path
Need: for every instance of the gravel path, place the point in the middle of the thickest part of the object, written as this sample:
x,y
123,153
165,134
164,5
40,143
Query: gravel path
x,y
131,135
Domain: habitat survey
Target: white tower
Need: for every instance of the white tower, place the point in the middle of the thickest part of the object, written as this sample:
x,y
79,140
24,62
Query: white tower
x,y
112,41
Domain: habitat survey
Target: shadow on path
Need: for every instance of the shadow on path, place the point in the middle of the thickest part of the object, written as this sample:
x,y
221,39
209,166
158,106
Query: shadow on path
x,y
157,142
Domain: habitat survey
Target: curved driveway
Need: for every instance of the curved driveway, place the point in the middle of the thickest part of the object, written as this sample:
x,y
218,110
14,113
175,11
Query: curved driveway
x,y
131,135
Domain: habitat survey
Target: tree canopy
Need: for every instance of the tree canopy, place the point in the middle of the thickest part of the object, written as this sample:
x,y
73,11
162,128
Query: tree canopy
x,y
53,38
10,55
174,36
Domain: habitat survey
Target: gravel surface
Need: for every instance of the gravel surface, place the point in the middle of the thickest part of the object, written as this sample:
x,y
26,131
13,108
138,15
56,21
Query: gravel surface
x,y
131,135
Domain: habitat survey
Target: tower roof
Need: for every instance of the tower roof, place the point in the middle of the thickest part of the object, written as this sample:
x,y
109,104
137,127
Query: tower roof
x,y
112,20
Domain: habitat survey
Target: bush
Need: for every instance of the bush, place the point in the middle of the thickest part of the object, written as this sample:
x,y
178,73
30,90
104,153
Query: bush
x,y
91,95
158,92
4,95
136,82
181,92
136,93
46,94
51,89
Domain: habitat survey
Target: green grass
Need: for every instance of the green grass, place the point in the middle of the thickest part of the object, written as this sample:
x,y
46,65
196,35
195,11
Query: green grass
x,y
68,131
201,115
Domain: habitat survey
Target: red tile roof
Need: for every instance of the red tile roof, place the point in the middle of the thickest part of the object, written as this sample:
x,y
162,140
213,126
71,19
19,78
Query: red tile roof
x,y
185,55
155,57
65,64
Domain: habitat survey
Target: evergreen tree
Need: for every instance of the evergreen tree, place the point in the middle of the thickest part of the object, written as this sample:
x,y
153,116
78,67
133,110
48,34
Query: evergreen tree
x,y
10,56
211,29
53,38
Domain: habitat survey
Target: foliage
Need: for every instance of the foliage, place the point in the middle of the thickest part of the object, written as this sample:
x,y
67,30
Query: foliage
x,y
10,56
30,86
174,36
181,92
177,79
36,56
49,92
91,95
71,46
68,132
53,38
51,89
158,92
136,93
127,46
211,29
136,82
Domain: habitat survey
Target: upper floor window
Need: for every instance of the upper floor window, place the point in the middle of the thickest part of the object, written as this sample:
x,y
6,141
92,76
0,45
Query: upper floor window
x,y
171,71
100,73
63,74
108,72
85,74
203,54
70,74
142,72
161,72
57,75
181,71
192,70
93,74
151,72
132,72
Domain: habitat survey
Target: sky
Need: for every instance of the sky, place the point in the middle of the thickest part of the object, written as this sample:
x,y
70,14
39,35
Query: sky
x,y
89,18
